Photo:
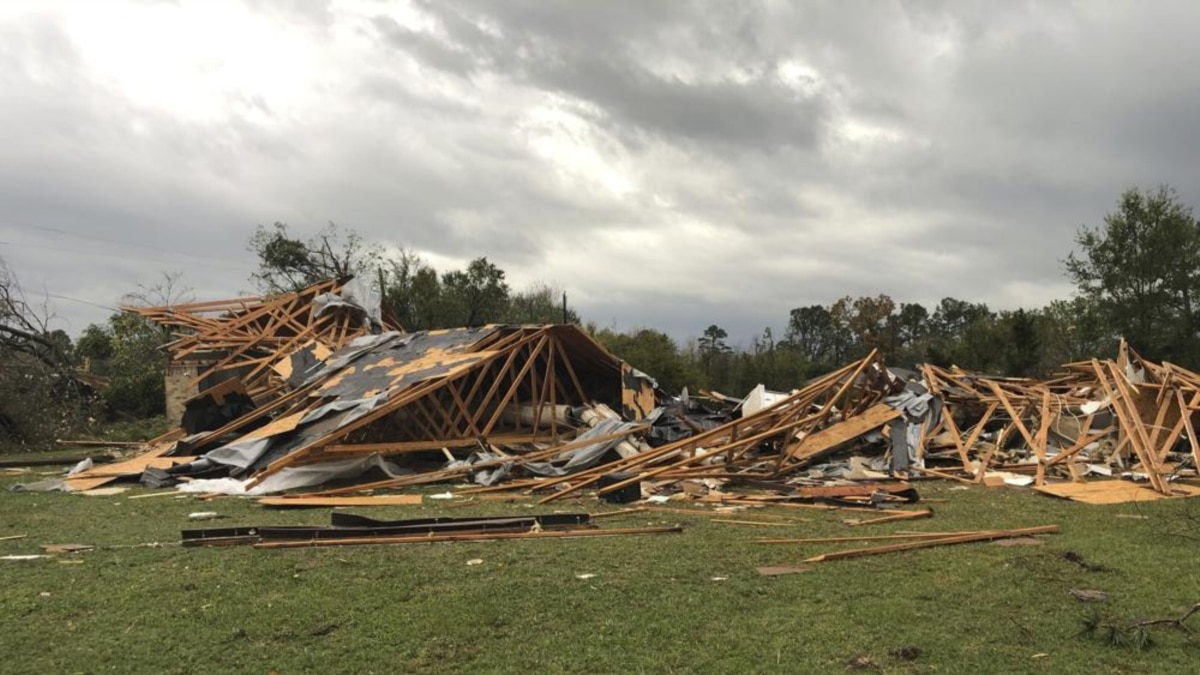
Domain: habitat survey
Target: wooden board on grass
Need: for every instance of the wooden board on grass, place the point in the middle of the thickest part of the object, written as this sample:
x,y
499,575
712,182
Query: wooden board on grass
x,y
308,502
1114,491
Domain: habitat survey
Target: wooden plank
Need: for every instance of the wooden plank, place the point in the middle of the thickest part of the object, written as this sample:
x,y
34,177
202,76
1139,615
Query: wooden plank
x,y
911,536
859,490
902,515
1042,436
929,543
421,446
827,439
1185,412
1013,414
975,433
946,476
956,434
1123,404
308,502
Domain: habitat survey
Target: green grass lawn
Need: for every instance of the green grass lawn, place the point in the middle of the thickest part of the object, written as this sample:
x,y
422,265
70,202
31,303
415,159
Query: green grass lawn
x,y
652,605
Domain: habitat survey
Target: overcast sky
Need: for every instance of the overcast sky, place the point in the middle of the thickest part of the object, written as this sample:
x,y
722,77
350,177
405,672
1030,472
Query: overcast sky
x,y
671,164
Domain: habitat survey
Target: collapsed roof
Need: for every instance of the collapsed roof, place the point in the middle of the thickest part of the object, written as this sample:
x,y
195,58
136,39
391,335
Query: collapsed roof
x,y
547,410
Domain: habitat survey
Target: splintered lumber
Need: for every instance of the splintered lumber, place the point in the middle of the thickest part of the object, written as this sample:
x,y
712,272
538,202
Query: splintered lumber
x,y
873,537
721,514
498,390
901,515
552,534
986,535
254,333
851,390
843,491
946,476
101,444
622,512
759,523
305,501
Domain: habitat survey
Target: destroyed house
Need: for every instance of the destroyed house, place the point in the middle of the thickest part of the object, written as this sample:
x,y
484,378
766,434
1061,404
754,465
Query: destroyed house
x,y
444,391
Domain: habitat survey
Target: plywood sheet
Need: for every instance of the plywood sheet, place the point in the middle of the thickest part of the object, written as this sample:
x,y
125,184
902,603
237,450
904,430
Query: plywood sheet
x,y
308,502
833,436
107,473
1113,492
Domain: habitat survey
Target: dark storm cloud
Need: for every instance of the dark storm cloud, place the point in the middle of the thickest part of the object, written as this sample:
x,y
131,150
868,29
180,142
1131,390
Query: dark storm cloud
x,y
584,51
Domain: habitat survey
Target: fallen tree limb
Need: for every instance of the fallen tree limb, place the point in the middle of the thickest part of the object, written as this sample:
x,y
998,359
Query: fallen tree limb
x,y
1175,623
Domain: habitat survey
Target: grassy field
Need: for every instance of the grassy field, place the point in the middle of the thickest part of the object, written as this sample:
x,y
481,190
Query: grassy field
x,y
652,606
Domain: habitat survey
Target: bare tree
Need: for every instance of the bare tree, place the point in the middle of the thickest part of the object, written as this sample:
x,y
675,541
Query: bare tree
x,y
166,292
41,393
25,329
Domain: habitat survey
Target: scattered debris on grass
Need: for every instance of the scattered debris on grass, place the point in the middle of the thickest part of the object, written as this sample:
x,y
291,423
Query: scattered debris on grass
x,y
1134,634
347,529
862,662
1073,557
317,390
67,548
1088,595
204,515
906,653
1019,541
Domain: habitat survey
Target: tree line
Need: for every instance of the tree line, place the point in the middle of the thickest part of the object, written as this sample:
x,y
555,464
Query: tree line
x,y
1137,275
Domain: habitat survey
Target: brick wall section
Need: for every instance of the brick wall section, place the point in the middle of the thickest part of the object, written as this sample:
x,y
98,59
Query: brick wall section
x,y
179,377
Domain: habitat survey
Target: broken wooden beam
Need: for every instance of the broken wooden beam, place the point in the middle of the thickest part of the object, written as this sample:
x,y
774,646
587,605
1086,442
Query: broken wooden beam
x,y
987,535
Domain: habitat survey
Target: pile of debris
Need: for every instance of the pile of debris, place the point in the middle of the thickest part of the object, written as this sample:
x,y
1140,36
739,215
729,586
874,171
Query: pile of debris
x,y
327,390
1127,417
243,337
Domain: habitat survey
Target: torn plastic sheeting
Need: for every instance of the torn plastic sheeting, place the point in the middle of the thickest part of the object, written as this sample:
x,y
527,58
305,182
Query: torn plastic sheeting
x,y
243,453
81,467
358,408
48,485
640,375
294,477
920,409
356,294
912,402
240,453
577,459
494,475
589,455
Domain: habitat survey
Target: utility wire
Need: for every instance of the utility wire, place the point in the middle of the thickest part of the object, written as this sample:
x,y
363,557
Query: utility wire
x,y
191,260
84,235
86,302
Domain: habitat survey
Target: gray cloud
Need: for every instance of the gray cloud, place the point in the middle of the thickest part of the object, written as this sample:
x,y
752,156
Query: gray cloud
x,y
671,164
